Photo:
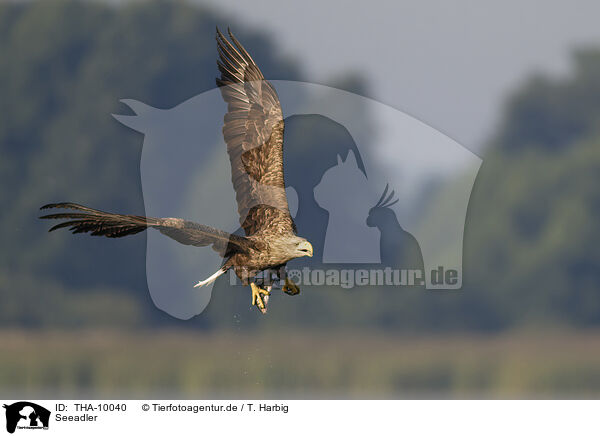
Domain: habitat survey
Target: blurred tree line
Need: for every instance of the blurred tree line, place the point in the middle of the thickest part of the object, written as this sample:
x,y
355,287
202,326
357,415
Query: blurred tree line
x,y
531,236
533,228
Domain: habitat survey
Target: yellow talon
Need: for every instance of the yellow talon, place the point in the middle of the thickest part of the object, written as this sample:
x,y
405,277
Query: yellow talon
x,y
290,287
257,297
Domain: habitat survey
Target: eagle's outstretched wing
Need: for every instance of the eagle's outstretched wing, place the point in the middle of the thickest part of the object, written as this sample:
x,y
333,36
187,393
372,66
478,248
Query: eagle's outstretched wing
x,y
112,225
253,131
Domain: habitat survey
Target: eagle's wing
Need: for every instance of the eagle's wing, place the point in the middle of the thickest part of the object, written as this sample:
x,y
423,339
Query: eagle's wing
x,y
112,225
253,131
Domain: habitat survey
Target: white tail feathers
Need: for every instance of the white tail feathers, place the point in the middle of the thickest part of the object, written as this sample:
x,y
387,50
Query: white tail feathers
x,y
212,278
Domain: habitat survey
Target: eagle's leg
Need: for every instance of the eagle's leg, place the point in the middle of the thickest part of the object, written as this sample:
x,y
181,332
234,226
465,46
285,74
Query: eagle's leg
x,y
290,287
257,297
266,297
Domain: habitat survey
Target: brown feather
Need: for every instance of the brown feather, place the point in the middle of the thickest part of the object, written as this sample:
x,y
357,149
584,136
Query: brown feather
x,y
112,225
253,130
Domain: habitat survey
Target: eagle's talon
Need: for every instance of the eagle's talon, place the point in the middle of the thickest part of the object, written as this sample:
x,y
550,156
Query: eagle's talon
x,y
257,297
290,287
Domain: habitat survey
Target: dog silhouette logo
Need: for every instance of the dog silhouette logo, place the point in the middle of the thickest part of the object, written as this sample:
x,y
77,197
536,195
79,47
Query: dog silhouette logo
x,y
26,415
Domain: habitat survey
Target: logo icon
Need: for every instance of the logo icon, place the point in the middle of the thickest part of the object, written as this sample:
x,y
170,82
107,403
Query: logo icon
x,y
26,415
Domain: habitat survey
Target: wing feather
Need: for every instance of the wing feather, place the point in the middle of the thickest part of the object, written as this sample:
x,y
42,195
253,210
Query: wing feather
x,y
112,225
253,130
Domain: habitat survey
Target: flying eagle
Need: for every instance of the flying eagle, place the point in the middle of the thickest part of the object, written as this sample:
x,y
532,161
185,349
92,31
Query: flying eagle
x,y
253,130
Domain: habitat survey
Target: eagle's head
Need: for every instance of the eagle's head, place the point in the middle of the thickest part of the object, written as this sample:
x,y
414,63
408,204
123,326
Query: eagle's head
x,y
298,247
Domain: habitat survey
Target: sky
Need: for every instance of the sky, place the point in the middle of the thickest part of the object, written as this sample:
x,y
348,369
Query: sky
x,y
450,64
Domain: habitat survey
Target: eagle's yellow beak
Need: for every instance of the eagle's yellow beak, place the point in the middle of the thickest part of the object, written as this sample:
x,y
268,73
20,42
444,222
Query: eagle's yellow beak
x,y
306,248
310,249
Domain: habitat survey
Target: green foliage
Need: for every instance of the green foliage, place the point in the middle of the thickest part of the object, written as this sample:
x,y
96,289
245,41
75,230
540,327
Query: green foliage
x,y
532,234
533,228
34,303
554,113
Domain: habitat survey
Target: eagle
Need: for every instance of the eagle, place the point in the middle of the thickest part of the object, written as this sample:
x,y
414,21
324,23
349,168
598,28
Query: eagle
x,y
253,131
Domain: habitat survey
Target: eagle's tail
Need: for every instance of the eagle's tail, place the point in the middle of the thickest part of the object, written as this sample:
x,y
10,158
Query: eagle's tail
x,y
212,278
97,222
